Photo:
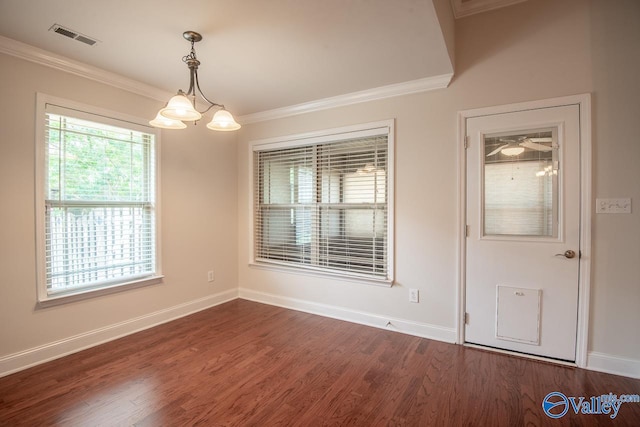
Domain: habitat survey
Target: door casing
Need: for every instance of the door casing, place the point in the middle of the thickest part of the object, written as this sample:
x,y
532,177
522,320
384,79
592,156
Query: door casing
x,y
584,103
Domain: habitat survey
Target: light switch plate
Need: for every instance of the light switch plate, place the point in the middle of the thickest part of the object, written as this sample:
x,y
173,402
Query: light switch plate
x,y
614,206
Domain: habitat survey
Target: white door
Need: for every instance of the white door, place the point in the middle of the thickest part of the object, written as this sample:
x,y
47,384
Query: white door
x,y
523,216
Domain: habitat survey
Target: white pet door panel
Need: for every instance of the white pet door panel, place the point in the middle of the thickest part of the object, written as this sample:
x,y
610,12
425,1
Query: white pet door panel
x,y
518,314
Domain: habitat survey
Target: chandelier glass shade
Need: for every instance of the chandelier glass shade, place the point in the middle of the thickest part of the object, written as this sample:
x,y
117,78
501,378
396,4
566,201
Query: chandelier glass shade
x,y
223,120
163,122
182,106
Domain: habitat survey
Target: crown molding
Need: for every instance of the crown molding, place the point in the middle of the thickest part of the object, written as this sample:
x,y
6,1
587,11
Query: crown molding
x,y
398,89
42,57
471,7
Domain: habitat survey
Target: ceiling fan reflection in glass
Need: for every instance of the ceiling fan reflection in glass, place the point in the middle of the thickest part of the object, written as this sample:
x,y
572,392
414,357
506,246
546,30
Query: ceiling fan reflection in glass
x,y
514,145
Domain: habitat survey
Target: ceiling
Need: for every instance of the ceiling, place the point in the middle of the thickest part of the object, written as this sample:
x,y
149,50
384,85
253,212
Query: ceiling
x,y
256,55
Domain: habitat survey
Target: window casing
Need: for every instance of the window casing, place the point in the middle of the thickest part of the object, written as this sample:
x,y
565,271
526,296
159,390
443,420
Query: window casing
x,y
323,202
96,201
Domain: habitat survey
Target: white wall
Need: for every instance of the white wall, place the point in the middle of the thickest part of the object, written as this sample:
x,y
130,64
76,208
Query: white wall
x,y
534,50
198,224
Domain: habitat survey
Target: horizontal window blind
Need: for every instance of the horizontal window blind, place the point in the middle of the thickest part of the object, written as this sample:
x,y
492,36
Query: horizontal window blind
x,y
324,206
99,202
519,200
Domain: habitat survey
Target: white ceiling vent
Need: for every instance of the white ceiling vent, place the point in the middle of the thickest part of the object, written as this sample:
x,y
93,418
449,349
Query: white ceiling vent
x,y
56,28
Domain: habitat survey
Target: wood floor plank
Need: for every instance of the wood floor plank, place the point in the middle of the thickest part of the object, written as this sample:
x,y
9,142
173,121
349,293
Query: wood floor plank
x,y
249,364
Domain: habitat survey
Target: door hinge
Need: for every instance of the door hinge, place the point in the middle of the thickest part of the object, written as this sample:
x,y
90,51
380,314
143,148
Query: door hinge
x,y
466,231
466,142
466,318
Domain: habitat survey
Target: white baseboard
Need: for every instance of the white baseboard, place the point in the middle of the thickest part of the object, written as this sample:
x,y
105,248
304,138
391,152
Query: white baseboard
x,y
54,350
423,330
613,364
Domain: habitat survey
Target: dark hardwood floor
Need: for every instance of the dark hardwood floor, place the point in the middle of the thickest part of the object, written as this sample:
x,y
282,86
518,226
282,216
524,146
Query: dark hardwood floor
x,y
249,364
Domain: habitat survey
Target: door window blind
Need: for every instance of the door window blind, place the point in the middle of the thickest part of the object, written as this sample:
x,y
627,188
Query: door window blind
x,y
519,199
324,206
99,201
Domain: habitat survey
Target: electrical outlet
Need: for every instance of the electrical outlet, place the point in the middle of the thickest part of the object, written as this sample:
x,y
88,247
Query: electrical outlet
x,y
414,295
210,276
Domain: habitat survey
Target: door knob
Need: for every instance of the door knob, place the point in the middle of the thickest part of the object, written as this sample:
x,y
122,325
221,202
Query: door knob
x,y
568,254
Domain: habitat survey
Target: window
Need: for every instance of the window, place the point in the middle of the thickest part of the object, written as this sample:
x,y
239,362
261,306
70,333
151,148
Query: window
x,y
96,200
324,202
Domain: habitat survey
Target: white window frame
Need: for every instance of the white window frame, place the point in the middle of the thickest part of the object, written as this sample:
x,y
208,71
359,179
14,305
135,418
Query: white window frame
x,y
106,116
383,127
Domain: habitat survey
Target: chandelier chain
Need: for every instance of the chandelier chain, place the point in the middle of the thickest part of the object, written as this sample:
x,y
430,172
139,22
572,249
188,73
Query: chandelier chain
x,y
191,56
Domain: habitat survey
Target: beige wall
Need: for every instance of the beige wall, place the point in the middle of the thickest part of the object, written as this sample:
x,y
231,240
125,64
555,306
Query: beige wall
x,y
534,50
495,65
198,199
615,313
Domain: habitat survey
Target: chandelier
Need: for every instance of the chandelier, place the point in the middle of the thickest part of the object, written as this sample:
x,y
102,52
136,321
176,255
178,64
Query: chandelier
x,y
181,107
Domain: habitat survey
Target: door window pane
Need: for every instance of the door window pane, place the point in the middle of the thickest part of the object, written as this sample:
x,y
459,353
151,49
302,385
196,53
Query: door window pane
x,y
521,184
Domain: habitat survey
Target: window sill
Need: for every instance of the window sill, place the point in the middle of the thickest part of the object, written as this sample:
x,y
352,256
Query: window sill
x,y
83,294
310,271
